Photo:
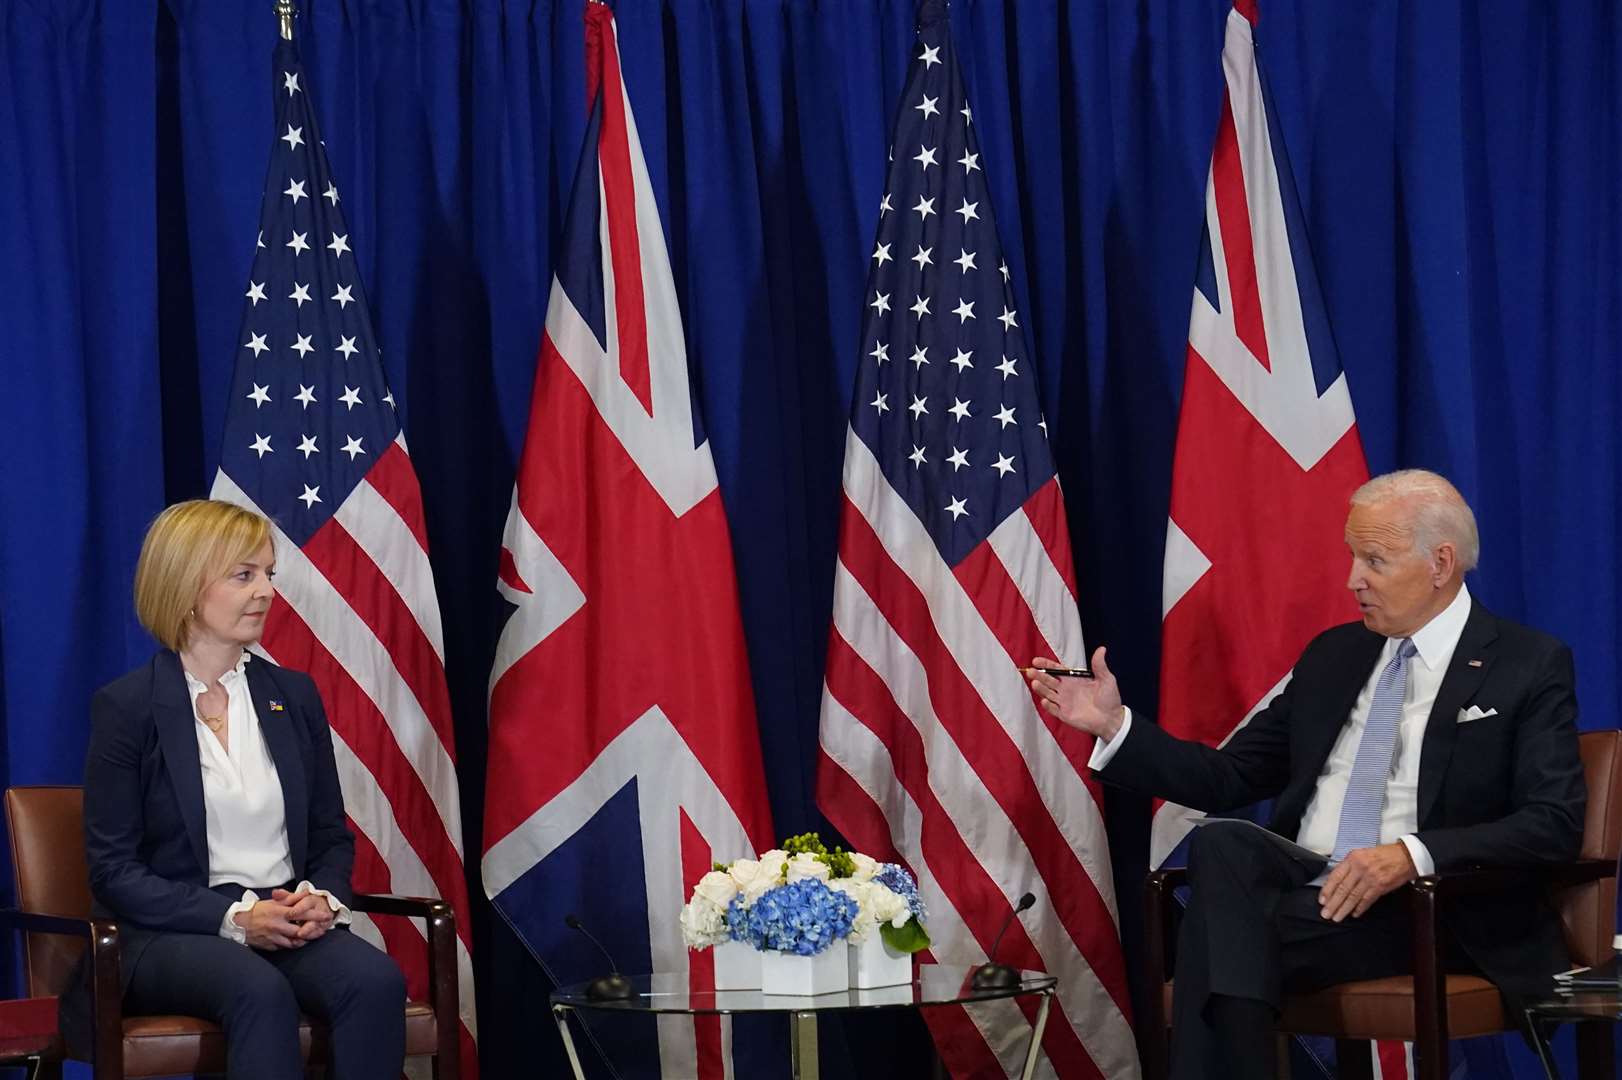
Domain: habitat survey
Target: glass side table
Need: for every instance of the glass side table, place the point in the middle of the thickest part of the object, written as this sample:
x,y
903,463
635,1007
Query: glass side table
x,y
933,984
1593,1012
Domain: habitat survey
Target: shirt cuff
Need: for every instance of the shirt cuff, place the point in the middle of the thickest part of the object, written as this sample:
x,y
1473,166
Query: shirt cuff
x,y
1423,863
229,927
341,915
1103,751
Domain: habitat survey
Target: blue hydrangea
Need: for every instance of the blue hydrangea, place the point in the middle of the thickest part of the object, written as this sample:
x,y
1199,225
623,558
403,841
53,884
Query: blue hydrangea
x,y
897,880
803,917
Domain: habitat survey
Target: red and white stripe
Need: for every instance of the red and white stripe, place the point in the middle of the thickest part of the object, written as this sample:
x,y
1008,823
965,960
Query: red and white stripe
x,y
934,754
358,612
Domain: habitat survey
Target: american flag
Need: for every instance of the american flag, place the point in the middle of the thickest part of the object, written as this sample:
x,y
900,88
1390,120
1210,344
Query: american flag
x,y
954,569
1267,450
624,754
313,443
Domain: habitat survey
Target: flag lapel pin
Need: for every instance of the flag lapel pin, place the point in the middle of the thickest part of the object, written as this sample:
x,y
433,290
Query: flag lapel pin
x,y
1475,663
276,706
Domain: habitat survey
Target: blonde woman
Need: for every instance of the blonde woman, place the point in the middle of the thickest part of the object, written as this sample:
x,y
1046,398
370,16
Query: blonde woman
x,y
214,826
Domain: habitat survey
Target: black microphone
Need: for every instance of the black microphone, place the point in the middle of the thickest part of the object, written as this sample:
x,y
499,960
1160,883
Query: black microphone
x,y
992,975
610,987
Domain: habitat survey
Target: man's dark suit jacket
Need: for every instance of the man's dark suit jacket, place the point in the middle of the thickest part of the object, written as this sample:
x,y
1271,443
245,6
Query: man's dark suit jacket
x,y
146,838
1501,791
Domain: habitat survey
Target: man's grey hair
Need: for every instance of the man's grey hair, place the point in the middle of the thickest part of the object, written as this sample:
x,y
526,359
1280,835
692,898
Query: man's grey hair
x,y
1439,512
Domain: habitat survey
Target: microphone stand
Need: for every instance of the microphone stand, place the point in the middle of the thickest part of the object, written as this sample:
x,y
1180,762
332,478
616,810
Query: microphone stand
x,y
992,975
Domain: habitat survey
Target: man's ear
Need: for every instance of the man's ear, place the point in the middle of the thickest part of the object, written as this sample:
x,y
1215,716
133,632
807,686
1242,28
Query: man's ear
x,y
1445,563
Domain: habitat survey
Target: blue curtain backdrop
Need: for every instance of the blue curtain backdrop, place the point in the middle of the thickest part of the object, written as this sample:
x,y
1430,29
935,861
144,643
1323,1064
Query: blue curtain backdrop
x,y
1458,163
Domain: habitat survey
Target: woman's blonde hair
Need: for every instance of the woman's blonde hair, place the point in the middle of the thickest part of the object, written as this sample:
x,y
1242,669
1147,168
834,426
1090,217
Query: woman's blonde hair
x,y
188,546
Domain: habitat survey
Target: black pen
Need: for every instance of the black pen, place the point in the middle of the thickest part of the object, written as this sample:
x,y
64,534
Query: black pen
x,y
1061,672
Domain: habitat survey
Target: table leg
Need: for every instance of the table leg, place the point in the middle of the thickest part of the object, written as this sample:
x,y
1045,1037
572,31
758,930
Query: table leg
x,y
1539,1030
1036,1035
802,1036
560,1015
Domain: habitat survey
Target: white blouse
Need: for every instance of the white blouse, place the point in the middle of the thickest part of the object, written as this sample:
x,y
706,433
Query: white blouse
x,y
242,803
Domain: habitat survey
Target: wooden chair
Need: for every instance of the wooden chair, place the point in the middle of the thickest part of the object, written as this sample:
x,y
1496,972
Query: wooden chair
x,y
53,909
1430,1007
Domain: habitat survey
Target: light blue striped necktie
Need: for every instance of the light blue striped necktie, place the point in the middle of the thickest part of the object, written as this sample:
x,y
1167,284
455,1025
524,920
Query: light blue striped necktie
x,y
1365,791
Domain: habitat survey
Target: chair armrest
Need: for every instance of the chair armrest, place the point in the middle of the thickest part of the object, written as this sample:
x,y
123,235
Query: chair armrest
x,y
106,982
1499,879
443,983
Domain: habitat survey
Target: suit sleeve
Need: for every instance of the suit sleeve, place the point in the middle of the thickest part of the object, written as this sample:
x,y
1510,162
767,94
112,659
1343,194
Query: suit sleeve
x,y
1548,795
1253,765
331,853
114,825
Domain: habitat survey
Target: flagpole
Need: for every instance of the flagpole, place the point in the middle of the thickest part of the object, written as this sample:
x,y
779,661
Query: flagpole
x,y
286,13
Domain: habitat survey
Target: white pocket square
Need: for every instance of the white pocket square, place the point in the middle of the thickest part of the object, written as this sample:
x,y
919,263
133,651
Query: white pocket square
x,y
1475,712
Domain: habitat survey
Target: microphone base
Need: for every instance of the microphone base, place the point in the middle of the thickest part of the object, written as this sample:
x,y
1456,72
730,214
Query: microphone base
x,y
994,977
610,988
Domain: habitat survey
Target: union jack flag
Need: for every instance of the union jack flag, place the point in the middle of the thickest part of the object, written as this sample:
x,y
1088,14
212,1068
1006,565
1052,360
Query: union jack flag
x,y
624,754
313,443
954,569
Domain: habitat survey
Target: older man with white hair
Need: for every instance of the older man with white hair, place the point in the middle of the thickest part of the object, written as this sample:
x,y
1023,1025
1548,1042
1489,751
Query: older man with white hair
x,y
1430,736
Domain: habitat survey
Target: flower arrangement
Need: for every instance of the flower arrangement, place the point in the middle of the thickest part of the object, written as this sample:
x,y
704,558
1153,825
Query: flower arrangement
x,y
801,898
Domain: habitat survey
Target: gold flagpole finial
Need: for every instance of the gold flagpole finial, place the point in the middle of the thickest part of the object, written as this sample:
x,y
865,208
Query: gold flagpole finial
x,y
286,13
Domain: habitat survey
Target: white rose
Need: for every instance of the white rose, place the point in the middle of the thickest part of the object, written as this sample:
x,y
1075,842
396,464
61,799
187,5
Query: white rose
x,y
805,865
718,887
863,923
888,905
866,867
753,878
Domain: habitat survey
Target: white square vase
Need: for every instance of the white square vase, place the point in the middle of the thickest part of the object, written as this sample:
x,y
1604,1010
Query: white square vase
x,y
737,966
873,963
825,973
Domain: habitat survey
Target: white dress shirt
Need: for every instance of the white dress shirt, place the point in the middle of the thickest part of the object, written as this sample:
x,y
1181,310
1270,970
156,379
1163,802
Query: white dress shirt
x,y
242,803
1399,817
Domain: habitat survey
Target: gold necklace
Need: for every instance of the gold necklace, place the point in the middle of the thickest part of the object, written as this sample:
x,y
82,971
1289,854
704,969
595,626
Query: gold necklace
x,y
214,722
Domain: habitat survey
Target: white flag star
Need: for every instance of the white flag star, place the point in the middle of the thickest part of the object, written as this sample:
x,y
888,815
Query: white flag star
x,y
965,262
302,345
1007,368
343,297
919,357
298,243
931,57
925,157
917,457
881,252
260,242
968,210
352,448
918,408
1005,416
922,258
960,409
921,307
388,398
924,208
957,459
330,193
307,446
310,496
261,444
970,162
1008,319
290,81
294,137
340,244
350,397
259,395
1004,465
961,360
957,508
256,292
968,117
964,311
295,189
299,294
928,107
256,342
881,303
881,403
346,345
1004,269
306,396
881,352
884,205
